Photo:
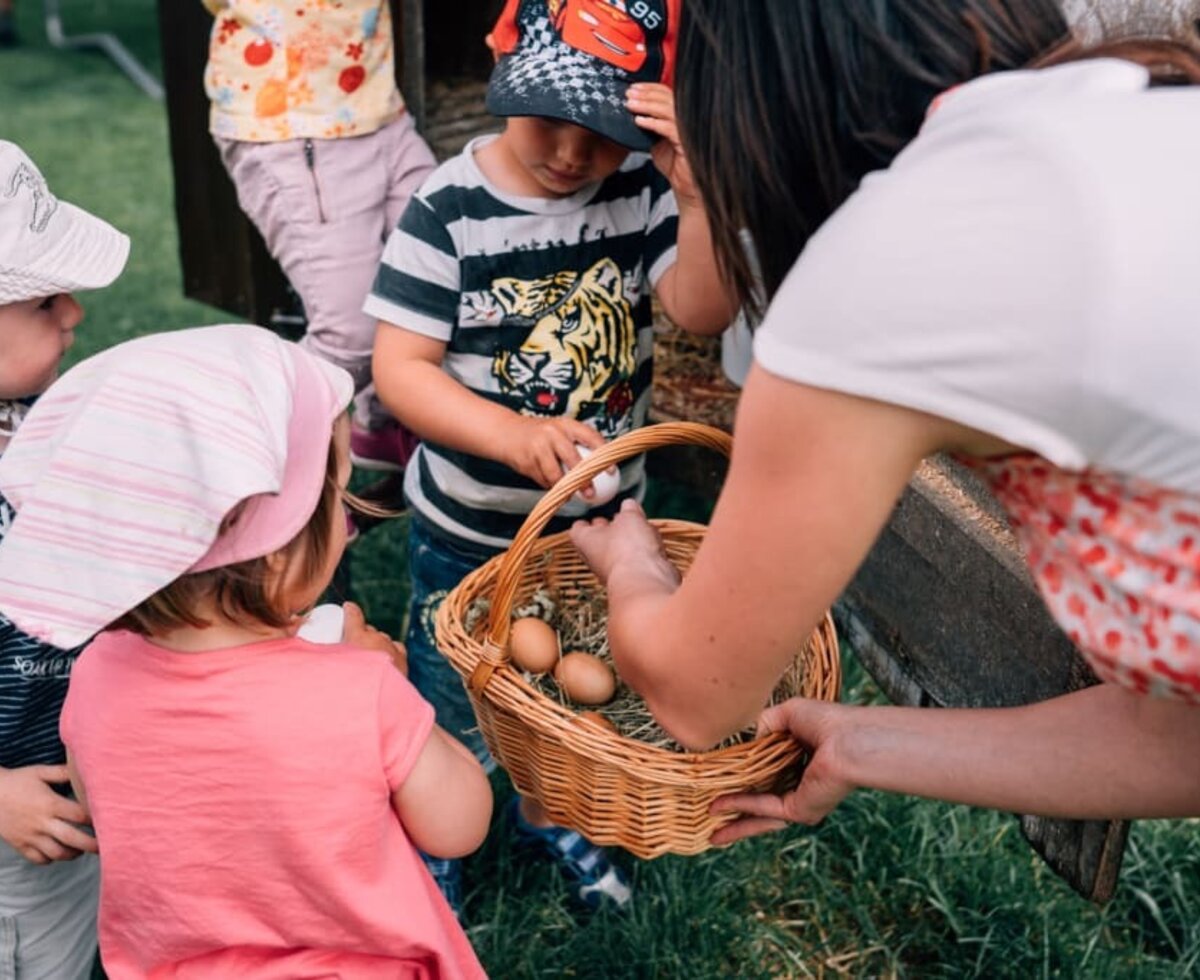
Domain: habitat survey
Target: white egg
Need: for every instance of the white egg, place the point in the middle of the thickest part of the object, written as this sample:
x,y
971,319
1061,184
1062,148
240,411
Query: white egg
x,y
606,486
325,624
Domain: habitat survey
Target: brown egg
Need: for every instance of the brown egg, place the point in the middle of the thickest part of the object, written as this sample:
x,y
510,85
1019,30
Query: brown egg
x,y
585,679
533,645
596,719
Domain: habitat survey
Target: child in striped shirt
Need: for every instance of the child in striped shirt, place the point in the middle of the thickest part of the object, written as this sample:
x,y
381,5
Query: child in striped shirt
x,y
514,302
49,877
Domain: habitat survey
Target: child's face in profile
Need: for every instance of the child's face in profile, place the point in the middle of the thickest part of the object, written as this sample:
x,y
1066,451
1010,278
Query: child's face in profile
x,y
301,594
560,157
34,335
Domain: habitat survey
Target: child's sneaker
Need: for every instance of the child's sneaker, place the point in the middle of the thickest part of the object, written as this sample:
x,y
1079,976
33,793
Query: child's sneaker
x,y
595,877
385,449
447,875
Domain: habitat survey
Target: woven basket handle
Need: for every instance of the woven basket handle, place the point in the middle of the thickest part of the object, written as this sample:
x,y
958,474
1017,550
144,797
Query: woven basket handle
x,y
508,576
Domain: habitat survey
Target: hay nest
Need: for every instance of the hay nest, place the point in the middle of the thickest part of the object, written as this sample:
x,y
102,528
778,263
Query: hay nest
x,y
688,381
583,626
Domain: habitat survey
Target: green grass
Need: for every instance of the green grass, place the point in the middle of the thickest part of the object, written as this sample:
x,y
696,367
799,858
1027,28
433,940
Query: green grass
x,y
886,887
103,145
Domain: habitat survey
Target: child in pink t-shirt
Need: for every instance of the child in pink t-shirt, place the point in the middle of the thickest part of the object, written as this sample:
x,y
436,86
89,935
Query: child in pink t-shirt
x,y
258,799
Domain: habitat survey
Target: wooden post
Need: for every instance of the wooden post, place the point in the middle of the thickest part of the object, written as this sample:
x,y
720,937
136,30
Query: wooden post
x,y
408,25
225,262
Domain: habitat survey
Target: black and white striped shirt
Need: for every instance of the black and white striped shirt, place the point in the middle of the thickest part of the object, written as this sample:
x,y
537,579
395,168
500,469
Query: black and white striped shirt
x,y
33,684
544,306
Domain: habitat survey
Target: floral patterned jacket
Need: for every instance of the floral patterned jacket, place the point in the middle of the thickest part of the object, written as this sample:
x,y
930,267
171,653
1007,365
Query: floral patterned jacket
x,y
304,69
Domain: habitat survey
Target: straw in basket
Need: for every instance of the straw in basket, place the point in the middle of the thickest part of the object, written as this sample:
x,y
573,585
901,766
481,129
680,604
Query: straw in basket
x,y
613,790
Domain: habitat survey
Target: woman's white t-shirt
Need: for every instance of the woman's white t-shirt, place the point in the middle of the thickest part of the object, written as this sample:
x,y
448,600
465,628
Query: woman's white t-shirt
x,y
1029,266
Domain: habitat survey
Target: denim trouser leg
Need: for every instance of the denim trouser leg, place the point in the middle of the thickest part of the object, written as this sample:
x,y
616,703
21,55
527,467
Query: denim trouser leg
x,y
437,567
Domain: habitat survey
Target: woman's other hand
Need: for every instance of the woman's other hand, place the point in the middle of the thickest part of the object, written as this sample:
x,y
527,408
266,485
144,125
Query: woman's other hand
x,y
814,724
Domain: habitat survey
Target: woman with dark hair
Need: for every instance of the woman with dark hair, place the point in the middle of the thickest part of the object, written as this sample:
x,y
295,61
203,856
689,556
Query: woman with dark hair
x,y
969,236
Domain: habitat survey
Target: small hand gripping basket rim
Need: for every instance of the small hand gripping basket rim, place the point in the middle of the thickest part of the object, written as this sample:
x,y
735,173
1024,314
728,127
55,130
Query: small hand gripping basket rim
x,y
613,790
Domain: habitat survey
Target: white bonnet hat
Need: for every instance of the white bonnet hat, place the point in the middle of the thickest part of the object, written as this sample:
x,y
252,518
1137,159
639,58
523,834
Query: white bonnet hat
x,y
48,246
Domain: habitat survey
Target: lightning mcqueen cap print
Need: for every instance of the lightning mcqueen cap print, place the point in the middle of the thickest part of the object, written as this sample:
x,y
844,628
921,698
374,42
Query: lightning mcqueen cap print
x,y
575,59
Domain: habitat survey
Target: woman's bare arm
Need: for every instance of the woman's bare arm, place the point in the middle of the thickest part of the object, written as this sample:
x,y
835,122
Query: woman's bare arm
x,y
813,478
1102,753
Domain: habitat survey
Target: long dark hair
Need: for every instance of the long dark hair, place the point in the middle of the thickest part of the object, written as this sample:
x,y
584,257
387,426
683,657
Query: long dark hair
x,y
785,105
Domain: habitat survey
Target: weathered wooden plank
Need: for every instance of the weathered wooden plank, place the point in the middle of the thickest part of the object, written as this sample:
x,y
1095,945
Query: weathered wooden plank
x,y
943,613
946,590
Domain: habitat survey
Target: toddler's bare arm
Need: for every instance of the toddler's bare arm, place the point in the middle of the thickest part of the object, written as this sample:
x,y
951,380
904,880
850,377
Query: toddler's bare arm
x,y
446,802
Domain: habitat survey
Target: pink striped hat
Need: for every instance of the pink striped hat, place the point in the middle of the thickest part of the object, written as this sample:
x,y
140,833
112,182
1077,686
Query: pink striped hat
x,y
124,470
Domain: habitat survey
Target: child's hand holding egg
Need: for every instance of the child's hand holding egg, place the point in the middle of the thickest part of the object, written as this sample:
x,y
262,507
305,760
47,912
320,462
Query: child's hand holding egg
x,y
325,624
604,487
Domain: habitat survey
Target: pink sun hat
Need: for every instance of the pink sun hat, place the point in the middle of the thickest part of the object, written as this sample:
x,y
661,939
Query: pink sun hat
x,y
48,246
124,471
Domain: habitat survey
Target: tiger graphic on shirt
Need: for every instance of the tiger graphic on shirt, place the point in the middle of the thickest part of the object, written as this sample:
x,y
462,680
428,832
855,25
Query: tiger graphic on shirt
x,y
579,357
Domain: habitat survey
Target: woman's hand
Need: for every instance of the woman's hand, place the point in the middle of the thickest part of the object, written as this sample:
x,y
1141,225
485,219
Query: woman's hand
x,y
38,823
542,449
359,633
629,542
653,108
814,725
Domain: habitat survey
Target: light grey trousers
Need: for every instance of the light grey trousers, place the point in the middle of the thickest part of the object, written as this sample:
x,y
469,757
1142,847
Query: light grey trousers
x,y
47,917
325,209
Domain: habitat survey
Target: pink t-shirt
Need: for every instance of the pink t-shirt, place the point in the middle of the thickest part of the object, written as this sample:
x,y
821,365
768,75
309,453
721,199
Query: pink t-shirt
x,y
242,802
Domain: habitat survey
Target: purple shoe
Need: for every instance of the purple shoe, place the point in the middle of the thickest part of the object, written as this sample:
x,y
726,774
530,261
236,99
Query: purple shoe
x,y
384,449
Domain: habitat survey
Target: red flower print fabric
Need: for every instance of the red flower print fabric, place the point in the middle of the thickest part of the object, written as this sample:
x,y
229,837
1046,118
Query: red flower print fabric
x,y
1118,563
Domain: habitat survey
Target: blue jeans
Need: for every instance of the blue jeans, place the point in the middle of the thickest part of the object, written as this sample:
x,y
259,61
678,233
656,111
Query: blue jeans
x,y
437,566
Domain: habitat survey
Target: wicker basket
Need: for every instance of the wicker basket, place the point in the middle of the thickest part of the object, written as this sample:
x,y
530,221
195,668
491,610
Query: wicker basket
x,y
613,790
